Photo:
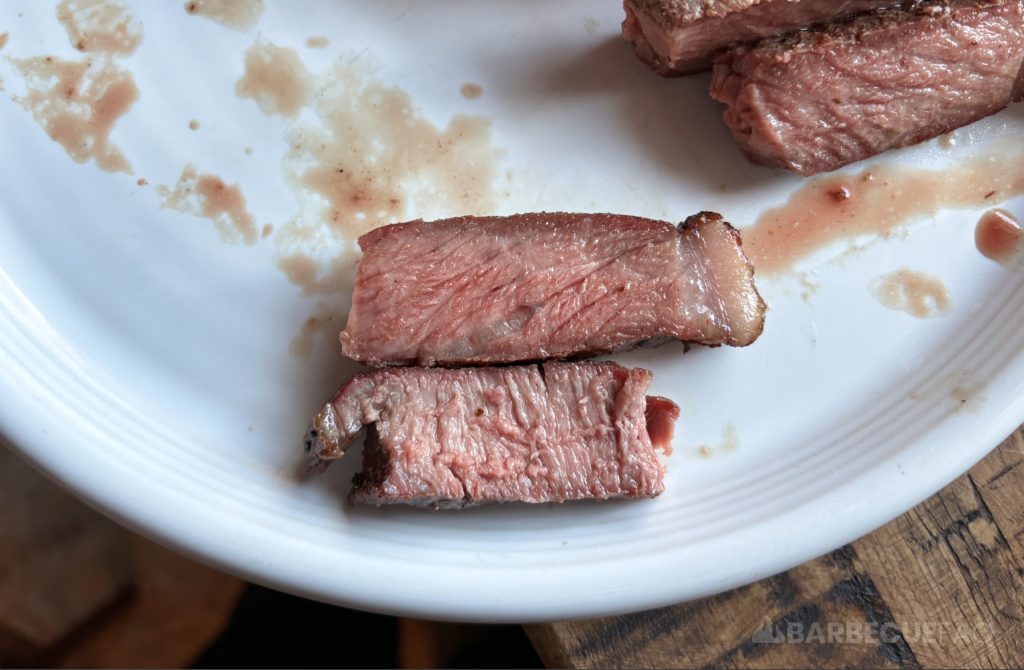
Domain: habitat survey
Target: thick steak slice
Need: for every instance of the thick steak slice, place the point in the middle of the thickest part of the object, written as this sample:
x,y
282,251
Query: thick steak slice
x,y
456,437
476,290
816,100
680,36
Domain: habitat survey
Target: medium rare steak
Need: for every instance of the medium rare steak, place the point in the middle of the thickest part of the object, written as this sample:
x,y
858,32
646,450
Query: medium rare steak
x,y
475,290
680,36
451,438
816,100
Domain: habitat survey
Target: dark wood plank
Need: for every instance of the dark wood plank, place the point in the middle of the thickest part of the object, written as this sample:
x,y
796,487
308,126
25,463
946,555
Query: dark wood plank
x,y
941,586
60,562
177,607
76,590
999,479
754,626
951,581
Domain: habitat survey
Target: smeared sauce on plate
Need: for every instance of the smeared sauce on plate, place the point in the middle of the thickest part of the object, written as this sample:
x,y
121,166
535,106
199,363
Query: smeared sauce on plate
x,y
367,160
100,26
374,159
969,395
207,196
329,273
78,103
323,324
275,79
236,14
875,201
998,235
963,390
915,293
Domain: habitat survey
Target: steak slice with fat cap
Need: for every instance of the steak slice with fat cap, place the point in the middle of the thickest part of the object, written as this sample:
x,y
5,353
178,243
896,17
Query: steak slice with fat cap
x,y
502,289
678,37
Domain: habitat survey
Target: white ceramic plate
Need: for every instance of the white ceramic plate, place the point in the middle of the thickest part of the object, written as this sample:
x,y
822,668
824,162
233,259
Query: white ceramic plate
x,y
145,364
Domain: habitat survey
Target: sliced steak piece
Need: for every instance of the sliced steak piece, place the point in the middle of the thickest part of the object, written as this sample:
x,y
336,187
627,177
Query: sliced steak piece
x,y
816,100
451,438
500,289
678,37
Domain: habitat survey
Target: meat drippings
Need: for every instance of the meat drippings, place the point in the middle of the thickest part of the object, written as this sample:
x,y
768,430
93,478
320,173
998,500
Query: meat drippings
x,y
325,270
915,293
275,79
322,324
236,14
371,160
875,201
375,159
78,103
100,26
998,235
207,196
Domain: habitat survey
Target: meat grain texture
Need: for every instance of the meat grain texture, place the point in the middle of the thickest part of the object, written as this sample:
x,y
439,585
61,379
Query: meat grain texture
x,y
451,438
816,100
479,290
677,37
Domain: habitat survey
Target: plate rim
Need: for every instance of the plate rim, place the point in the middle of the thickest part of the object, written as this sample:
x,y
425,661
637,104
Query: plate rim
x,y
965,442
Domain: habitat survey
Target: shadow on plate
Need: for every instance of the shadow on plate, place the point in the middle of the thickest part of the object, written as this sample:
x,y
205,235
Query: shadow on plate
x,y
674,121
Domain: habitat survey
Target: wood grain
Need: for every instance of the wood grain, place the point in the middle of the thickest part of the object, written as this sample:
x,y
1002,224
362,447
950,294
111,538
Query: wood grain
x,y
940,586
60,562
76,590
175,609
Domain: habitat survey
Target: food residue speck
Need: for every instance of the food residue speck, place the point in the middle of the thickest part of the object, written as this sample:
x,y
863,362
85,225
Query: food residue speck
x,y
236,14
100,26
323,324
471,91
207,196
915,293
729,442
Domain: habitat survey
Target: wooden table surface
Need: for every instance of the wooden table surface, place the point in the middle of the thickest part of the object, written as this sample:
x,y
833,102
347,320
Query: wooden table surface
x,y
78,591
939,587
